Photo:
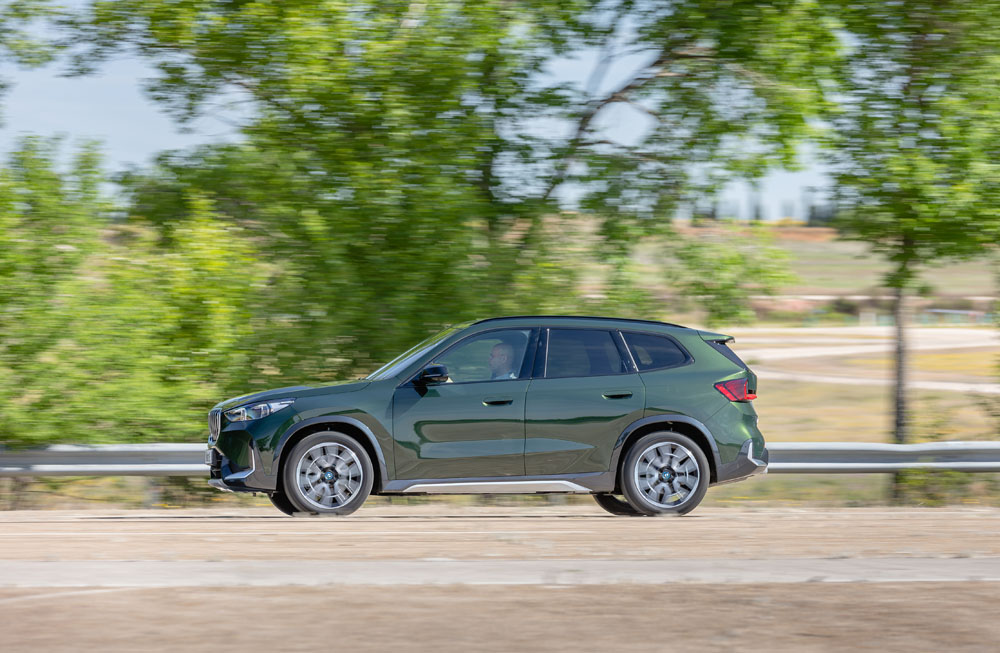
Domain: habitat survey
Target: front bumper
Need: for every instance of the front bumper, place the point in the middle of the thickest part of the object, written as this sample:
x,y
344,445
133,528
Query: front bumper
x,y
224,474
745,465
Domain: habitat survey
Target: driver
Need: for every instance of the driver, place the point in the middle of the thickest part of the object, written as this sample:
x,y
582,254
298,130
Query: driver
x,y
502,362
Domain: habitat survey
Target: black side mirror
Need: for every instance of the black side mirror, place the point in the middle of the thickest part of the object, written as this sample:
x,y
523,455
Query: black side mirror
x,y
432,374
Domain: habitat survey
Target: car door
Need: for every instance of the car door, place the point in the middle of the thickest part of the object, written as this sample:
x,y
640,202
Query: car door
x,y
586,395
472,425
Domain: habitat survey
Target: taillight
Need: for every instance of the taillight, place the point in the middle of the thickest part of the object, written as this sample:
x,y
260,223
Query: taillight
x,y
735,390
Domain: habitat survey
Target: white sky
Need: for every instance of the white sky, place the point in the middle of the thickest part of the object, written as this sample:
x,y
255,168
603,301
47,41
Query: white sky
x,y
111,108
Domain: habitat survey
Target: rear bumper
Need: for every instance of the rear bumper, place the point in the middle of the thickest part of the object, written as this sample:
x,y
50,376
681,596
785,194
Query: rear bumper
x,y
744,466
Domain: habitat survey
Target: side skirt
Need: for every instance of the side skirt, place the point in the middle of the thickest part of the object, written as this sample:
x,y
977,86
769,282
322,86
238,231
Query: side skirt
x,y
556,483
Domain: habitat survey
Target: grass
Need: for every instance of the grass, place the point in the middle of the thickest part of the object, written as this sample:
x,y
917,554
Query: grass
x,y
966,363
817,412
824,264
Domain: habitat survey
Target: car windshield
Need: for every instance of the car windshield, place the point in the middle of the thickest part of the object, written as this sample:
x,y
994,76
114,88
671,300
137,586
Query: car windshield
x,y
401,362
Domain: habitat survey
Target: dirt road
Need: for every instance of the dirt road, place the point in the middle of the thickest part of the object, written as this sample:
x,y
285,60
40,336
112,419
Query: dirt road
x,y
449,578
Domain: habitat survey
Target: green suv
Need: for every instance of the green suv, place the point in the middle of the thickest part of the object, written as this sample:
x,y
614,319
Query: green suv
x,y
642,415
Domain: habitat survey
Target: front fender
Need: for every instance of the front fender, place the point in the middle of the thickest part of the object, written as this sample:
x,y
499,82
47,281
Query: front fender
x,y
333,420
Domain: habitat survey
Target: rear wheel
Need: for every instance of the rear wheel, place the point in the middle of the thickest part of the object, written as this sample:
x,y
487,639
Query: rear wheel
x,y
616,506
665,473
328,473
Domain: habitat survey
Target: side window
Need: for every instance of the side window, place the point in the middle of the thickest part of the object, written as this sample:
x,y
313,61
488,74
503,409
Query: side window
x,y
582,352
490,356
654,352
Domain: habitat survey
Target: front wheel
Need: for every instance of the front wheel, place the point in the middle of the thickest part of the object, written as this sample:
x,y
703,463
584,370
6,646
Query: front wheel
x,y
665,473
328,473
616,506
281,502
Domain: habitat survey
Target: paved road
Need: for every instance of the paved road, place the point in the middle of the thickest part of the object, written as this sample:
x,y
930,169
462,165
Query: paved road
x,y
439,577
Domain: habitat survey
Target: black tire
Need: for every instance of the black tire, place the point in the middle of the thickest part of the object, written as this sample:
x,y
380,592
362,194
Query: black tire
x,y
342,457
281,502
681,451
616,506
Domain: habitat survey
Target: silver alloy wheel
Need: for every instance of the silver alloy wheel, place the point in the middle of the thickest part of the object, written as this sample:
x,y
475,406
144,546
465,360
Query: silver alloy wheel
x,y
329,475
666,474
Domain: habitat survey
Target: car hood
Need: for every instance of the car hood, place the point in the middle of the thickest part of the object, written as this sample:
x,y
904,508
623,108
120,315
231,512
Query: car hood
x,y
293,391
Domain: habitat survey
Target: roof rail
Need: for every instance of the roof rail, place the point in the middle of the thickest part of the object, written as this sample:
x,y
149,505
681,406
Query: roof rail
x,y
580,317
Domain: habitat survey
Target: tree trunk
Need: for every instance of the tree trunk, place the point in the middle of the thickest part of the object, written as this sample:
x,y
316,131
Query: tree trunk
x,y
901,426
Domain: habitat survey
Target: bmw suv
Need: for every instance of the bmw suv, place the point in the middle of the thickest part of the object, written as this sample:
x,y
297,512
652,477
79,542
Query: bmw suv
x,y
644,416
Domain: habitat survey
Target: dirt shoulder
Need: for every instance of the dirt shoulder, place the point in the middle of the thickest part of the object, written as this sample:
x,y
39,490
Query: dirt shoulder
x,y
442,530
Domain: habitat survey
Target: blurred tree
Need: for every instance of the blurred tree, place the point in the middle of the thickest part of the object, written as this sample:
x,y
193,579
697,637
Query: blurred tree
x,y
19,43
108,333
49,225
402,163
913,142
723,270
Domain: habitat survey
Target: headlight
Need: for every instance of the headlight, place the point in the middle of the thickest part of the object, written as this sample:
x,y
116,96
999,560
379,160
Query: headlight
x,y
257,411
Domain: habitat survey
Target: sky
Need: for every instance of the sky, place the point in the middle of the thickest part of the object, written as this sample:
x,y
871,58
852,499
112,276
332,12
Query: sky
x,y
111,108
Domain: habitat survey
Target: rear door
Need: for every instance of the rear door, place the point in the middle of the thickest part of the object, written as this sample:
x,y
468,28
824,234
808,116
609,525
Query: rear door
x,y
583,395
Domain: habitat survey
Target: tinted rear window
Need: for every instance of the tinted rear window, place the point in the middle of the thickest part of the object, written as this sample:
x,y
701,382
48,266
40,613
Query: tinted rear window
x,y
655,352
583,352
724,349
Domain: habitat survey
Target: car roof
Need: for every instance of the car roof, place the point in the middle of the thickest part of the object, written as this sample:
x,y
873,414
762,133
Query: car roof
x,y
579,318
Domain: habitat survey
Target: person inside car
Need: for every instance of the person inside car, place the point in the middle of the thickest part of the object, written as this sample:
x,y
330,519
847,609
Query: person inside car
x,y
502,362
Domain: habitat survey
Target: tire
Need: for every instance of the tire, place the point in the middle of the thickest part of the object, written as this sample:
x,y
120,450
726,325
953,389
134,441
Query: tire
x,y
616,506
665,473
327,473
281,502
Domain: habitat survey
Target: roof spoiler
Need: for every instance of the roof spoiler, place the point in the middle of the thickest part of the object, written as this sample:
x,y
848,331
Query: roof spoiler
x,y
715,337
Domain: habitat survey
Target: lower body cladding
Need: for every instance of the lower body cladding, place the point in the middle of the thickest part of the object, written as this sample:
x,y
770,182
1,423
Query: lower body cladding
x,y
229,477
562,483
744,467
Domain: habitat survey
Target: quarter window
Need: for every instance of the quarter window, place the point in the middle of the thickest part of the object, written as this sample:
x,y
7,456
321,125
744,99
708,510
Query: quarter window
x,y
583,352
654,352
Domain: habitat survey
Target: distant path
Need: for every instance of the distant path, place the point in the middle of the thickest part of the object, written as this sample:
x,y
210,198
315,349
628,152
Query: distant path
x,y
941,386
834,342
921,339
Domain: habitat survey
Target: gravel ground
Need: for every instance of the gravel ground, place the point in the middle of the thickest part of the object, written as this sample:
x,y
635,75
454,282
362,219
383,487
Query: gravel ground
x,y
53,611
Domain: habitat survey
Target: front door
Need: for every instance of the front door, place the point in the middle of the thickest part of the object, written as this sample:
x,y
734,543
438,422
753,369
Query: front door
x,y
585,399
473,425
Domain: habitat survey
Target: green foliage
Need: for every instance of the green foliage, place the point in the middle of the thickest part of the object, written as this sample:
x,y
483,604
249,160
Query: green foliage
x,y
20,39
722,271
400,166
913,141
109,334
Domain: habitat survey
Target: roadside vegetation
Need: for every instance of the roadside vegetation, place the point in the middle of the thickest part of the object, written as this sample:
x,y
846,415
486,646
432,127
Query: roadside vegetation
x,y
403,166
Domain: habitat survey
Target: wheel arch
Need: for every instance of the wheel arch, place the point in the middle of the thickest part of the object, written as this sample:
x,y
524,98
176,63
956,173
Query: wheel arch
x,y
682,424
348,426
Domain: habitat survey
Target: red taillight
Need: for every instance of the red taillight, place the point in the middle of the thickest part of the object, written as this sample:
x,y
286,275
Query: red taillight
x,y
735,390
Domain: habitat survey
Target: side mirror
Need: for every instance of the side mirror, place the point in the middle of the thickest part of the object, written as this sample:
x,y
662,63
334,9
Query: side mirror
x,y
432,374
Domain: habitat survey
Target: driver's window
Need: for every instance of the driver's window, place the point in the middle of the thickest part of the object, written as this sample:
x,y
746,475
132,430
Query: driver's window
x,y
491,356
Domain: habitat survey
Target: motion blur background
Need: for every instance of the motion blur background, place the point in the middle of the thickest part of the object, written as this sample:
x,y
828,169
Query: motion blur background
x,y
338,180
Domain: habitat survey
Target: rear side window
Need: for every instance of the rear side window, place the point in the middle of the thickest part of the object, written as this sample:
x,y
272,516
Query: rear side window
x,y
655,352
582,352
724,349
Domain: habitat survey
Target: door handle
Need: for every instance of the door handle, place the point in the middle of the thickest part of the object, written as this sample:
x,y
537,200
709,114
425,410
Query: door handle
x,y
624,394
498,401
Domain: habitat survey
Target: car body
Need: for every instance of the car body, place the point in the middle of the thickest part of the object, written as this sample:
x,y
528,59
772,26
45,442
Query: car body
x,y
521,404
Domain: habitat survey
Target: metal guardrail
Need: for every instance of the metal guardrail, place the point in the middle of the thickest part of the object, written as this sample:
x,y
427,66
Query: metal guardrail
x,y
157,459
874,457
786,458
